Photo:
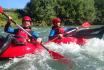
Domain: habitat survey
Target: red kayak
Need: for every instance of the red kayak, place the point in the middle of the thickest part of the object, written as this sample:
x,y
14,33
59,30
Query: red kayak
x,y
13,50
80,37
80,41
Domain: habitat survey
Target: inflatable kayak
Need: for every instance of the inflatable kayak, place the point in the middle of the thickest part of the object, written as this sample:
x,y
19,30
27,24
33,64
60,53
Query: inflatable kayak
x,y
80,37
80,41
10,50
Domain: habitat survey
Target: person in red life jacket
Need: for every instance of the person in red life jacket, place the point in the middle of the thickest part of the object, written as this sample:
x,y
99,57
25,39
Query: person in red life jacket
x,y
20,35
57,30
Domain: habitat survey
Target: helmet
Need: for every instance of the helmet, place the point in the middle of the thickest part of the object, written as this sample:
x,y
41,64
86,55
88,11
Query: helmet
x,y
86,24
26,18
56,20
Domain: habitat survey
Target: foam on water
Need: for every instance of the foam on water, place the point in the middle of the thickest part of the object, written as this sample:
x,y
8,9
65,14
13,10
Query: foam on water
x,y
87,57
95,48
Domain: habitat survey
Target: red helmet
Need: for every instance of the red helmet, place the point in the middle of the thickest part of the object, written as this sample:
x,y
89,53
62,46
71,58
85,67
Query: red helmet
x,y
56,20
86,24
26,18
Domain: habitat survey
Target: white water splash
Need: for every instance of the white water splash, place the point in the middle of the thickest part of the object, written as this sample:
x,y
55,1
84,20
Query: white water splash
x,y
87,57
28,62
95,48
65,49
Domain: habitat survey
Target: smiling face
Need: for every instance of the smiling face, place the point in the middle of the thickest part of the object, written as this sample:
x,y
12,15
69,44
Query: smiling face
x,y
26,23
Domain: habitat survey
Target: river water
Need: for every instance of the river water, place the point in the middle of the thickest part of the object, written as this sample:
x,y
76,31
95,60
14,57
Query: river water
x,y
87,57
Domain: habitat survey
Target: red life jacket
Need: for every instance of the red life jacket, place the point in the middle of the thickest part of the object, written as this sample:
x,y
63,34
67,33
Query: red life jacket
x,y
22,36
59,30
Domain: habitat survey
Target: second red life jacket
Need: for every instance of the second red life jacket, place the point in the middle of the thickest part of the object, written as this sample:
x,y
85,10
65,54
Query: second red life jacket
x,y
59,30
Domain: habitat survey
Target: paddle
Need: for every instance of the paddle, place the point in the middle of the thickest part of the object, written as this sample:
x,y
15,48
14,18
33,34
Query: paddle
x,y
84,25
91,33
55,55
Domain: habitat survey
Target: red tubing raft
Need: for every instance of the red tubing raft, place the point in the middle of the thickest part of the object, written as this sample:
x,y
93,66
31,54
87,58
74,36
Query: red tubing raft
x,y
80,37
13,50
65,40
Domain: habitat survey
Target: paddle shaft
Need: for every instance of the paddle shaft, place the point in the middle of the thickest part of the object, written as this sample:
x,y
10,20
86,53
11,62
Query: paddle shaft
x,y
44,47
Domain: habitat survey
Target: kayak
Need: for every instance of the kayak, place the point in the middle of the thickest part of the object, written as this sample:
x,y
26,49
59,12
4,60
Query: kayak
x,y
68,40
13,50
80,37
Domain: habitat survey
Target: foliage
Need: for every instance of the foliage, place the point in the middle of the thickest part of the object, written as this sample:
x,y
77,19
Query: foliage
x,y
99,4
70,11
11,13
40,10
76,10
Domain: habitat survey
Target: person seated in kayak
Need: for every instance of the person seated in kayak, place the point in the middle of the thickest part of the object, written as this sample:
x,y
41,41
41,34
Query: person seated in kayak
x,y
57,30
20,36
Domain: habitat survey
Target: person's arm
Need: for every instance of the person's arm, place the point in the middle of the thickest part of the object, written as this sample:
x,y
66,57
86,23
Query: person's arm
x,y
52,34
36,36
8,27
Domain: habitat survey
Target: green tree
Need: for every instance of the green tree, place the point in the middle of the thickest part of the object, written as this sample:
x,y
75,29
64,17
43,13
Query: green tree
x,y
99,4
72,10
40,10
76,10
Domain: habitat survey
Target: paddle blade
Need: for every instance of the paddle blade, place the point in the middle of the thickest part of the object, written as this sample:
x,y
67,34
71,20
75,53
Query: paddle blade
x,y
61,59
1,9
56,55
86,24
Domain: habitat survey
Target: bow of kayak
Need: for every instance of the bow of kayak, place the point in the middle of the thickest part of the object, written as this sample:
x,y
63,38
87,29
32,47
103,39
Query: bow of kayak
x,y
13,50
65,40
